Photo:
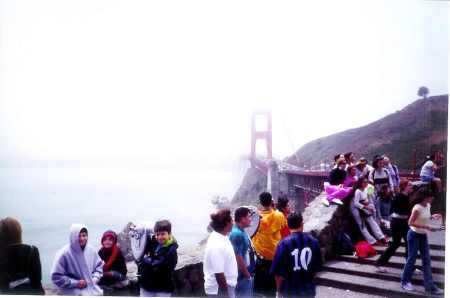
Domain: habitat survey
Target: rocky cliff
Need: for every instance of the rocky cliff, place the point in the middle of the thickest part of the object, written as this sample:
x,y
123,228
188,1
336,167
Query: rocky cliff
x,y
421,125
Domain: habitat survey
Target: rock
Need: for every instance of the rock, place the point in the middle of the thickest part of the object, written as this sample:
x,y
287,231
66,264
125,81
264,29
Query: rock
x,y
254,183
124,243
317,215
51,289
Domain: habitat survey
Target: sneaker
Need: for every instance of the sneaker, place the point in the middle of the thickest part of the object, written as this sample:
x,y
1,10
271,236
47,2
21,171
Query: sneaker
x,y
380,269
379,243
325,202
337,201
408,287
437,291
417,271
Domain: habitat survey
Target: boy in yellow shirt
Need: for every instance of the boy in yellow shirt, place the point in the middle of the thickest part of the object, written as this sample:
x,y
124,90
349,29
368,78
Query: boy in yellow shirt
x,y
265,242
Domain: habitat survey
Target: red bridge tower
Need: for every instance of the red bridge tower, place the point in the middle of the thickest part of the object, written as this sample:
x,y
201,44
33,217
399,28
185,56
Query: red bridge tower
x,y
264,134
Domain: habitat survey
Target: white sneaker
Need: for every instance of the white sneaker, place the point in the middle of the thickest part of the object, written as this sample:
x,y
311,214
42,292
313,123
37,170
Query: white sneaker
x,y
417,271
380,269
337,201
325,202
408,287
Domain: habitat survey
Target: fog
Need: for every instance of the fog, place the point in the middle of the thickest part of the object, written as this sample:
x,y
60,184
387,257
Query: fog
x,y
178,80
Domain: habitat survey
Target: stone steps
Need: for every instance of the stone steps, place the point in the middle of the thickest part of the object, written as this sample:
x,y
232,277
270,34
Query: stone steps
x,y
366,270
438,255
358,275
394,262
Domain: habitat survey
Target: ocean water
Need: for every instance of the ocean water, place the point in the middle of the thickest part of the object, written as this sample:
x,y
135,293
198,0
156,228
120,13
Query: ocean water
x,y
48,200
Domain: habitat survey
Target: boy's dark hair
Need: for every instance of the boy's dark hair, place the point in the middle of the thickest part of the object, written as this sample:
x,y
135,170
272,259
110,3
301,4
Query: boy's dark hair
x,y
84,230
163,226
282,203
294,220
240,213
265,198
220,219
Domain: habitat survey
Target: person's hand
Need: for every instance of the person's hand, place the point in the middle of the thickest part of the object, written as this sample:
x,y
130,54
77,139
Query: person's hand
x,y
370,208
108,274
431,229
436,216
82,284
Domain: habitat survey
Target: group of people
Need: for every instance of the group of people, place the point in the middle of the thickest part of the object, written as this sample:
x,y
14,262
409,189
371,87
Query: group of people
x,y
279,260
80,270
378,197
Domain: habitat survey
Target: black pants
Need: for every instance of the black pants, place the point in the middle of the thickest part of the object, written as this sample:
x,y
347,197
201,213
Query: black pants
x,y
264,282
399,230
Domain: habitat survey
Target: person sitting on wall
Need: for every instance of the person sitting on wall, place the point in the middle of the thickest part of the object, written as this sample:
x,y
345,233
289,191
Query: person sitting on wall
x,y
363,211
337,175
350,158
363,168
336,193
77,268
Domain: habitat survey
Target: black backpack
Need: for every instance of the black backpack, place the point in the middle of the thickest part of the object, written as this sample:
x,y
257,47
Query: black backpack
x,y
343,244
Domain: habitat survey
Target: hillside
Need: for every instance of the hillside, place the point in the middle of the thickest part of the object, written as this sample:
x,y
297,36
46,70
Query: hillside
x,y
422,125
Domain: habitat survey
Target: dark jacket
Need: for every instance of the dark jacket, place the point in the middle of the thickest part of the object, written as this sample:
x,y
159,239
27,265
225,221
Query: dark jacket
x,y
337,176
118,265
157,269
19,262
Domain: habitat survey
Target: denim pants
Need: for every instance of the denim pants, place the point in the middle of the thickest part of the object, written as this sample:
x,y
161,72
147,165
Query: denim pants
x,y
418,242
244,287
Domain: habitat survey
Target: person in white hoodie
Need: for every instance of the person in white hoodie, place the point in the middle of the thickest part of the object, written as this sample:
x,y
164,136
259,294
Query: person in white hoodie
x,y
77,268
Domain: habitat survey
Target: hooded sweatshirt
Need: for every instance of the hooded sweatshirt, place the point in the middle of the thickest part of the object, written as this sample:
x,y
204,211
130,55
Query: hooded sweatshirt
x,y
268,234
72,264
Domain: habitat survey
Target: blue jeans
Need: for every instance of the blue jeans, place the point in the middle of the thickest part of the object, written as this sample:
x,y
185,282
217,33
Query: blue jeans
x,y
244,287
418,242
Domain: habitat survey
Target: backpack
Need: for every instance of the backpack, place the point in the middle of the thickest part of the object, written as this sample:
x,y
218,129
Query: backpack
x,y
343,244
364,250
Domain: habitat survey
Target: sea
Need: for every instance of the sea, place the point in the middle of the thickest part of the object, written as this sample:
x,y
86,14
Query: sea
x,y
47,200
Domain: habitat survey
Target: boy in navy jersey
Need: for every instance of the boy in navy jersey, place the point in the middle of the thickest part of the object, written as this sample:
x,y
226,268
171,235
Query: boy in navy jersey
x,y
296,261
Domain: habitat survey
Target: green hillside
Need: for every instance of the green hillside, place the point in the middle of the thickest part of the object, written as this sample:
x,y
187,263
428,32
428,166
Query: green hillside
x,y
422,125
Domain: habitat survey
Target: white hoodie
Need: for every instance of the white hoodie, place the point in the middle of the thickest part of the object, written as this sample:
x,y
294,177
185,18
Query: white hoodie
x,y
73,264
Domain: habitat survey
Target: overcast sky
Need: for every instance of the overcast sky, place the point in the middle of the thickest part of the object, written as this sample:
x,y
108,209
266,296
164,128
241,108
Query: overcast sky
x,y
176,79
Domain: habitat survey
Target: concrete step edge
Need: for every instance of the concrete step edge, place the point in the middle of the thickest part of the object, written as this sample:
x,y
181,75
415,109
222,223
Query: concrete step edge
x,y
402,254
366,285
393,275
395,262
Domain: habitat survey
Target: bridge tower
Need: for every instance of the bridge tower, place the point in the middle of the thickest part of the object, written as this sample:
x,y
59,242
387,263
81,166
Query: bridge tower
x,y
262,134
